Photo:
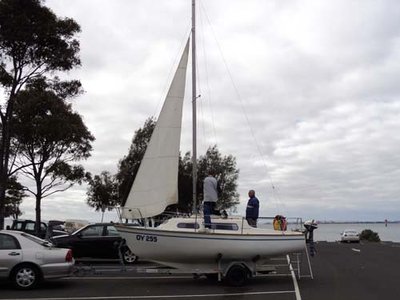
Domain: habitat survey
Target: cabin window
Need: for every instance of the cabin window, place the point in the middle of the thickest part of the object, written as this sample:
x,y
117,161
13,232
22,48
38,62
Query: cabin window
x,y
188,225
225,226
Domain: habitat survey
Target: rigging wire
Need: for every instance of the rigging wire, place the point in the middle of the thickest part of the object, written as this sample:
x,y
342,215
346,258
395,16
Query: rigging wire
x,y
275,191
205,60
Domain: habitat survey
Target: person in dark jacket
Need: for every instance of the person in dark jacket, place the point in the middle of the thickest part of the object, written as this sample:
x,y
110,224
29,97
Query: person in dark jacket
x,y
253,206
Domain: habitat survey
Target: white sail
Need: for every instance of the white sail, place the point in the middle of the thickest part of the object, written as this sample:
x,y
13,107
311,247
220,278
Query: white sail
x,y
156,183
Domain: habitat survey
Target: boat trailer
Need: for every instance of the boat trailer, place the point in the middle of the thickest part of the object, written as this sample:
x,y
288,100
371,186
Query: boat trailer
x,y
231,272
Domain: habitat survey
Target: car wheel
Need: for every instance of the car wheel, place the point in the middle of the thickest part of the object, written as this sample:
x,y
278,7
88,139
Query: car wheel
x,y
25,277
128,256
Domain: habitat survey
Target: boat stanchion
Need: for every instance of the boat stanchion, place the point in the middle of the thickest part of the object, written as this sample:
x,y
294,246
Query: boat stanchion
x,y
219,260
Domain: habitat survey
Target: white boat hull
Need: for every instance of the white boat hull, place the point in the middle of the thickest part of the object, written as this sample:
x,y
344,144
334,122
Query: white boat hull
x,y
190,249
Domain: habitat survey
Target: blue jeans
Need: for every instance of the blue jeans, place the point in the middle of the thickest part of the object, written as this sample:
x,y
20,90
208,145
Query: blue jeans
x,y
208,210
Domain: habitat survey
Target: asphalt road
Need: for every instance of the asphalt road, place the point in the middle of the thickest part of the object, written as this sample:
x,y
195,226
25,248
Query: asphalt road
x,y
365,271
171,287
109,282
341,271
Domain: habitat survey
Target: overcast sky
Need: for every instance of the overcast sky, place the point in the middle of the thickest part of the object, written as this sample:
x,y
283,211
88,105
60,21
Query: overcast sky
x,y
304,94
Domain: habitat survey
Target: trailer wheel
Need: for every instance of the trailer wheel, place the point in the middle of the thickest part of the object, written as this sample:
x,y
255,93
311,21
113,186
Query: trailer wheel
x,y
237,275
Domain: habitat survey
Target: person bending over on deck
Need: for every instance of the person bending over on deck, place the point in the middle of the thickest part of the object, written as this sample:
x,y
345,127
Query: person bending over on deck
x,y
253,206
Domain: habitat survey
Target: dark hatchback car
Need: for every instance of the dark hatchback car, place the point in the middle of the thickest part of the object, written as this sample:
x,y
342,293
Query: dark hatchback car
x,y
96,241
29,226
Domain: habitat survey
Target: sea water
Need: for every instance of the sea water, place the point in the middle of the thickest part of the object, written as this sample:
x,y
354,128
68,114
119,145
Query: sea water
x,y
331,232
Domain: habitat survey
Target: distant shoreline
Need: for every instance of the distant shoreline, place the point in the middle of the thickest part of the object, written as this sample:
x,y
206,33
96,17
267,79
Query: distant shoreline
x,y
358,222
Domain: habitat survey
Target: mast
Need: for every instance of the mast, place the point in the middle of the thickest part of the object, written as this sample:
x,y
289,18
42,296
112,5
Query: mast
x,y
194,117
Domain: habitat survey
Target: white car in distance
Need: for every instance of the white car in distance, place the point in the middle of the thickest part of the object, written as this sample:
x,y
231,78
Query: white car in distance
x,y
350,235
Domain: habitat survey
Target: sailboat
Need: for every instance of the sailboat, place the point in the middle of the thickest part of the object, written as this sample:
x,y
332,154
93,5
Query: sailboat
x,y
184,243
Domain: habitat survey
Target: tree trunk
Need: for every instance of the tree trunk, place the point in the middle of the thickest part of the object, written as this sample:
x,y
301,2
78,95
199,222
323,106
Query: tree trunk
x,y
3,176
4,154
2,204
38,178
38,212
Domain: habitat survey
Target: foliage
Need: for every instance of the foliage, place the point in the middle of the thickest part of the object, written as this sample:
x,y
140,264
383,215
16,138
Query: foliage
x,y
226,173
129,165
369,235
48,137
33,36
224,167
34,43
185,184
14,194
103,192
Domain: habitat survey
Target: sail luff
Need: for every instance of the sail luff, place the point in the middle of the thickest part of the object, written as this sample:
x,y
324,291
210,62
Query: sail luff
x,y
156,183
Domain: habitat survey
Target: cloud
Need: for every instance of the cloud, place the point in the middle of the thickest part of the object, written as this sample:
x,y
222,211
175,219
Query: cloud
x,y
303,93
343,157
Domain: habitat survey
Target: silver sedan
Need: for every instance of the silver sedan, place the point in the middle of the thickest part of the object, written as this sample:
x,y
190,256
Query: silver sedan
x,y
26,260
350,235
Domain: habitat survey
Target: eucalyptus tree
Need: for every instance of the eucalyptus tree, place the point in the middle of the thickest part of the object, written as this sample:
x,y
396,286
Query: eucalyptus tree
x,y
103,192
49,139
128,166
224,167
226,172
15,193
34,42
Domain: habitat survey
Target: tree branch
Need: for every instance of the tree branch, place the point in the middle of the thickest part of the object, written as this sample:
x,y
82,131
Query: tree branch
x,y
57,191
30,191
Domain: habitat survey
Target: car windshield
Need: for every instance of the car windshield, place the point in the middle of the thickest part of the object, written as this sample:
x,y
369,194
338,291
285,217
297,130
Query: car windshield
x,y
38,240
350,232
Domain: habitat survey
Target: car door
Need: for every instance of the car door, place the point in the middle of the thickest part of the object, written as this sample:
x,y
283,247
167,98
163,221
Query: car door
x,y
89,242
10,253
111,242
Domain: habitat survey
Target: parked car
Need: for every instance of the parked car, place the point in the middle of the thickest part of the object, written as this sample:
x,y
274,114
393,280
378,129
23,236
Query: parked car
x,y
26,260
350,235
96,241
29,226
